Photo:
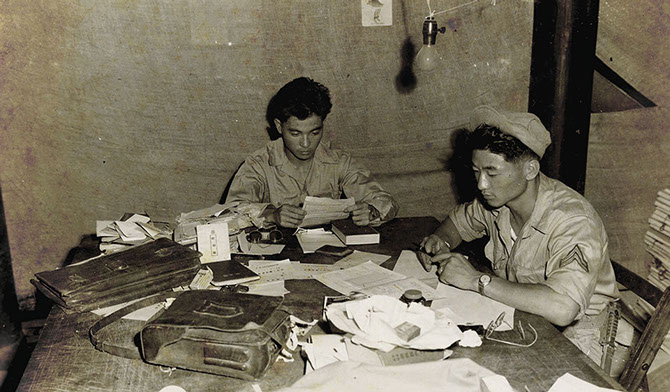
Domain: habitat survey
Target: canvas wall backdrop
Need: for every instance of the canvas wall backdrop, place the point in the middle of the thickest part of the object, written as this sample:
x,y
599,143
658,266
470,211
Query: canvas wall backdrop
x,y
629,152
121,106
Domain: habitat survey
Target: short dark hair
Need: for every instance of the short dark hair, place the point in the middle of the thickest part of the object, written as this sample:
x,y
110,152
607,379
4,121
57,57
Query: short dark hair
x,y
491,138
301,98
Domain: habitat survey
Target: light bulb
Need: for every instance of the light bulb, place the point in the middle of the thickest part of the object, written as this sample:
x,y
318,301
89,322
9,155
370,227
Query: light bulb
x,y
428,58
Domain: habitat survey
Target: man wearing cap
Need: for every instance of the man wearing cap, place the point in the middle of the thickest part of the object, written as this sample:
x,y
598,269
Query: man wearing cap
x,y
547,245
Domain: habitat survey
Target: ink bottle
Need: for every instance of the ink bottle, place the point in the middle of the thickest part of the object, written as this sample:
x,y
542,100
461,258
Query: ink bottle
x,y
412,295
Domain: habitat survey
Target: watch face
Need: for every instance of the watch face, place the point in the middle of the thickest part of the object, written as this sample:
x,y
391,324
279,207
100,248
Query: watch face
x,y
484,279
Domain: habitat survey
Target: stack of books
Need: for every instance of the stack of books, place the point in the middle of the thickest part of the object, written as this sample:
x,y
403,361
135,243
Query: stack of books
x,y
657,241
351,234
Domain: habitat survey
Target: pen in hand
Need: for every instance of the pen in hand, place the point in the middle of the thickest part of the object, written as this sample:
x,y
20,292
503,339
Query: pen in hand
x,y
424,258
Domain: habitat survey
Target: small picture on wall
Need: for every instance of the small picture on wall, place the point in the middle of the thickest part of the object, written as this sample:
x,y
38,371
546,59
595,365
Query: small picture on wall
x,y
377,12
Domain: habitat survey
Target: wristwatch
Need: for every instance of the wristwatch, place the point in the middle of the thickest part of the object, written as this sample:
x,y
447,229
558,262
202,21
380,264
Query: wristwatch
x,y
483,281
374,213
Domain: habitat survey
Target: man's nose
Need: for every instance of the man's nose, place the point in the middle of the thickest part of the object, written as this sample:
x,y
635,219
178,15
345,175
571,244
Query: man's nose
x,y
482,183
304,142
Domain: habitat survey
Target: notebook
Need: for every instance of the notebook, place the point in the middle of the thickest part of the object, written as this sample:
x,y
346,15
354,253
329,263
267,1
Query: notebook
x,y
230,272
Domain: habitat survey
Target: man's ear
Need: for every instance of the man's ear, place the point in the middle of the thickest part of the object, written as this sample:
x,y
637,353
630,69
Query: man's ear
x,y
278,125
531,169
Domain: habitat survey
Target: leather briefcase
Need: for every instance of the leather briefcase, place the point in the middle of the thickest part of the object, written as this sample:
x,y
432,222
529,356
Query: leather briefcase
x,y
108,280
231,334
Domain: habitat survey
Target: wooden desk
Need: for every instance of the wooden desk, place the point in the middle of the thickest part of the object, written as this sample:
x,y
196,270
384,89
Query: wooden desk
x,y
65,360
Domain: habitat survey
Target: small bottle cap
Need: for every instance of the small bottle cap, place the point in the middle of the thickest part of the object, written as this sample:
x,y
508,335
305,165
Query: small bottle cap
x,y
413,295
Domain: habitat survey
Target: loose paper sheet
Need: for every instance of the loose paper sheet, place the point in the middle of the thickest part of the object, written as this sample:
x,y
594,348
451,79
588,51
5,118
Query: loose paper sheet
x,y
129,230
322,210
272,289
373,320
469,307
311,240
359,257
358,278
570,383
213,242
409,265
279,270
325,349
397,289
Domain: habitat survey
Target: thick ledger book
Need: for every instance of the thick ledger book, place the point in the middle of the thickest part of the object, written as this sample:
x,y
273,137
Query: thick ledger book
x,y
227,273
351,234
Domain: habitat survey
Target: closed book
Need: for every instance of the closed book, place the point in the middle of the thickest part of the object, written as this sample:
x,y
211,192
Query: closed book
x,y
227,273
351,234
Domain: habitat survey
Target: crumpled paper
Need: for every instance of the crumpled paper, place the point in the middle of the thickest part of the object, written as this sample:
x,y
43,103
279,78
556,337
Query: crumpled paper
x,y
372,322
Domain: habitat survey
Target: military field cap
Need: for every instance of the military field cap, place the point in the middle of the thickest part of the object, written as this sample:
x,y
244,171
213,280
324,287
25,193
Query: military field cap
x,y
524,126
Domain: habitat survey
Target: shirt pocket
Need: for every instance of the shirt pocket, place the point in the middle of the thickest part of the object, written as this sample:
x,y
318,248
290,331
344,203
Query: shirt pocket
x,y
530,262
495,252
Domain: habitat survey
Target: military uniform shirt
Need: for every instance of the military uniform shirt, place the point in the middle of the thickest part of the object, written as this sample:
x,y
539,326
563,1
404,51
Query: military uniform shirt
x,y
267,176
562,245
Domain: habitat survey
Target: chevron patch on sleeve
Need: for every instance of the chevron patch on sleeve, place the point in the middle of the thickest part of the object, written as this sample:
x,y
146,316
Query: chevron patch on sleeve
x,y
575,255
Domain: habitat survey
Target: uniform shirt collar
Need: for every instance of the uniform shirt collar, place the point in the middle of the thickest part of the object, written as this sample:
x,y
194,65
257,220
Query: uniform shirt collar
x,y
544,199
277,155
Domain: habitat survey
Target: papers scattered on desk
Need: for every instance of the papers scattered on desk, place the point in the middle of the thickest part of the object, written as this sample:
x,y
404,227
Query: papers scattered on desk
x,y
570,383
371,279
312,239
273,273
237,215
397,288
276,270
358,278
462,306
131,229
322,210
409,265
469,307
272,289
359,257
323,350
373,322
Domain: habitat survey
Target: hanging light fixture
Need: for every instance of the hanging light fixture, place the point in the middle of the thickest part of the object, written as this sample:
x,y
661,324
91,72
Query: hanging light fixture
x,y
428,57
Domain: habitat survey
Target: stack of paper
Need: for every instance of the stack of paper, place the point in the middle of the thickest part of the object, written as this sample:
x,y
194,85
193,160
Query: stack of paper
x,y
130,230
236,215
657,241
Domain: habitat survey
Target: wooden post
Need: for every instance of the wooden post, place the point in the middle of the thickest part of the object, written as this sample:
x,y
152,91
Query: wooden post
x,y
644,352
561,81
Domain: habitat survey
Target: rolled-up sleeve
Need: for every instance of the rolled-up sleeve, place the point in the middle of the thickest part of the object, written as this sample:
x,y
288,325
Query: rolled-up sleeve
x,y
249,184
577,257
469,219
357,182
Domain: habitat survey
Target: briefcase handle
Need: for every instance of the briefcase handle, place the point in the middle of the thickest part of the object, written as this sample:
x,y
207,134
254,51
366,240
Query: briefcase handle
x,y
125,352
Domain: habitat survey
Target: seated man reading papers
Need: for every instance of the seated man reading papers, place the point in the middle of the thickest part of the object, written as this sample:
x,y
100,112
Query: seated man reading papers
x,y
547,246
298,164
